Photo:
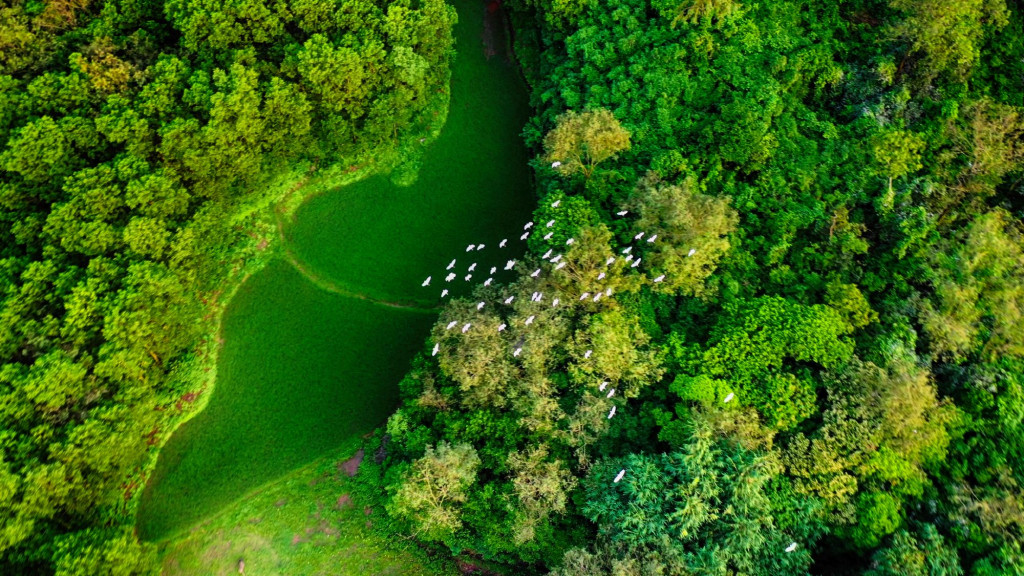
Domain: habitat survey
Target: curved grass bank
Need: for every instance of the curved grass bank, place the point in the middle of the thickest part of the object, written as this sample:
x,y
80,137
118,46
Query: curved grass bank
x,y
304,368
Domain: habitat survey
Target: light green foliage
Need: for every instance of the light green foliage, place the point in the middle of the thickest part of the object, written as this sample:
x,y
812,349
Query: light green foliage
x,y
911,555
897,153
433,488
881,431
750,351
541,486
693,11
620,354
978,307
948,35
100,554
581,141
986,143
683,220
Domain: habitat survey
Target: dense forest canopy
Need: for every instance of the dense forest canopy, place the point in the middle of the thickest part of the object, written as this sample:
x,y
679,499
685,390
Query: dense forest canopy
x,y
831,382
818,367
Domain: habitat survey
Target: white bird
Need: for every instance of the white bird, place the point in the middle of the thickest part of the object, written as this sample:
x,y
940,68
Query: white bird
x,y
480,246
608,292
570,241
692,252
627,250
611,413
659,278
728,398
472,267
550,223
426,282
560,266
652,239
609,261
444,293
451,324
465,328
480,306
556,164
556,259
601,276
510,264
509,299
494,269
533,297
528,226
585,295
546,255
502,243
501,327
488,281
597,296
619,476
516,352
637,263
549,235
556,203
535,273
554,303
468,276
470,247
638,236
540,296
623,213
588,353
451,264
611,393
449,277
791,547
629,257
436,348
524,236
530,320
603,386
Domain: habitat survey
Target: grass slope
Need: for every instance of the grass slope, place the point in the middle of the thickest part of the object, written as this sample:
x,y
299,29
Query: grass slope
x,y
307,523
303,369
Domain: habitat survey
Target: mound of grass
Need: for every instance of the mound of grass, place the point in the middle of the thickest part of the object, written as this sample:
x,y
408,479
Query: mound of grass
x,y
312,521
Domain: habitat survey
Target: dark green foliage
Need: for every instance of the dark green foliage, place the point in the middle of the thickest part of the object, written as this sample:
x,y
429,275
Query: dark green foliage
x,y
861,313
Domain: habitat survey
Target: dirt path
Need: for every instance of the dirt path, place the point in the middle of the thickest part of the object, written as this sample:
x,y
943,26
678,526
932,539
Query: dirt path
x,y
336,288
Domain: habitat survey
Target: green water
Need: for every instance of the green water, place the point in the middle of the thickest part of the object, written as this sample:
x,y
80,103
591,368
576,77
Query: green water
x,y
303,369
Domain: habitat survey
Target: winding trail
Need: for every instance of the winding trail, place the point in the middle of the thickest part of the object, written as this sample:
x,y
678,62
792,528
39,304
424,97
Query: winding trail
x,y
334,287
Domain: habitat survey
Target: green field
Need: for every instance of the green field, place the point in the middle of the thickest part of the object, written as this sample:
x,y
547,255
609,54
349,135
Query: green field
x,y
309,522
303,368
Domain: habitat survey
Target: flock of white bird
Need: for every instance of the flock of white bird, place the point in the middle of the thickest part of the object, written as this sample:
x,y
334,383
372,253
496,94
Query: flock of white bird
x,y
556,260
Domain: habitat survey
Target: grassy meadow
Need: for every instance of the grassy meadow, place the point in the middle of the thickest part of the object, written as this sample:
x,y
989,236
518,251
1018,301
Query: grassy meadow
x,y
307,523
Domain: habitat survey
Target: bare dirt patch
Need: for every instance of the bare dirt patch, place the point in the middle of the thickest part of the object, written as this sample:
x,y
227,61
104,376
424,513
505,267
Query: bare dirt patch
x,y
351,466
